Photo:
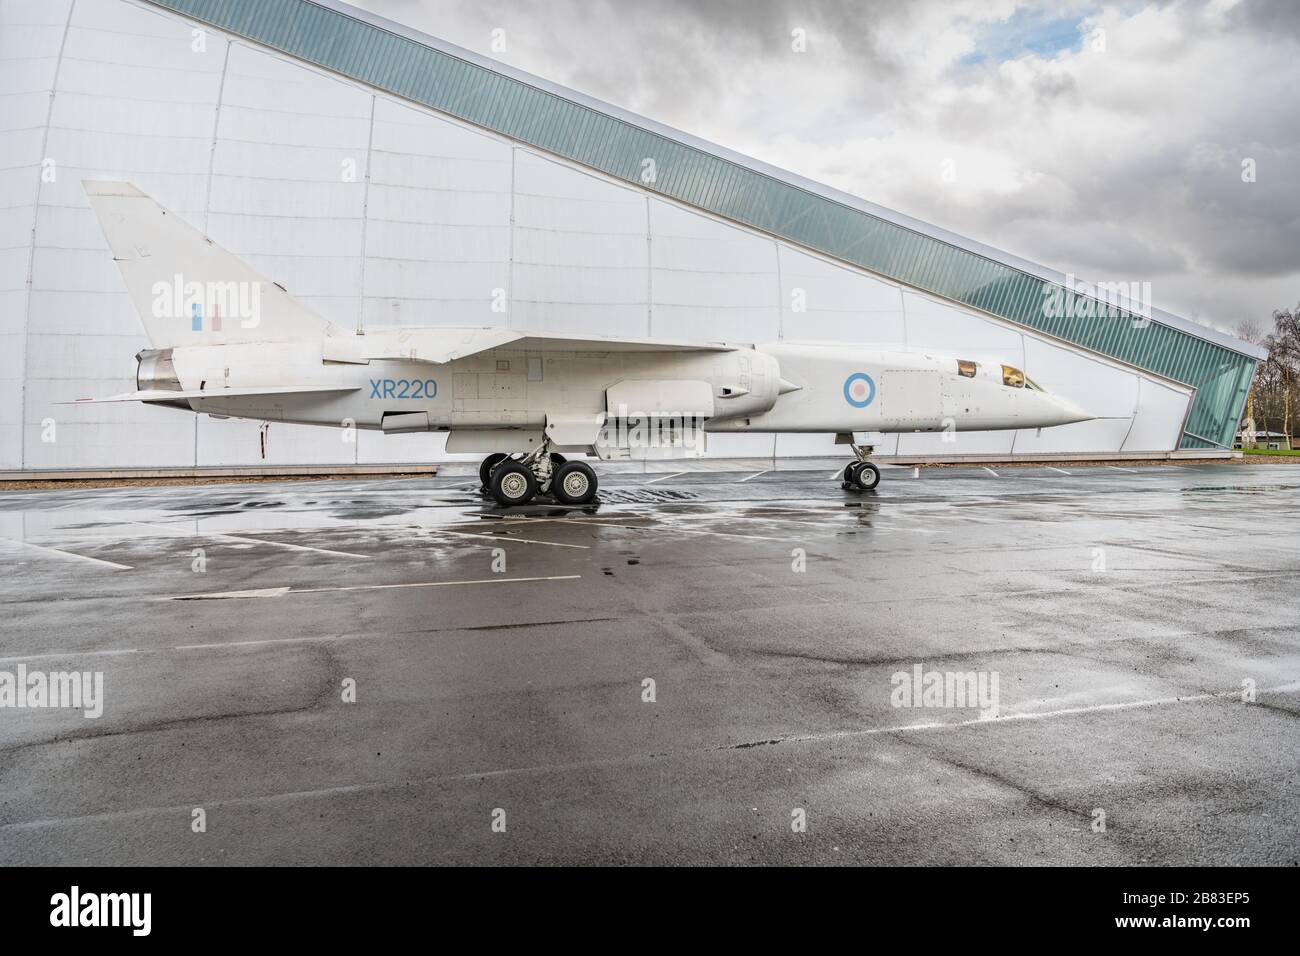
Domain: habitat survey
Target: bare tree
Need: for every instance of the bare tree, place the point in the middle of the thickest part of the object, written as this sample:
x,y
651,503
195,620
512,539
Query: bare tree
x,y
1286,342
1273,393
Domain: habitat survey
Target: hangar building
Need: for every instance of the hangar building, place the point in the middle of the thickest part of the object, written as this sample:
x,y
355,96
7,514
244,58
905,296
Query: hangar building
x,y
386,177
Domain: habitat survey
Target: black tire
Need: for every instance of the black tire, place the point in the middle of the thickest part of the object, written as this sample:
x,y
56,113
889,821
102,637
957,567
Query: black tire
x,y
557,459
851,471
512,484
485,469
866,476
574,483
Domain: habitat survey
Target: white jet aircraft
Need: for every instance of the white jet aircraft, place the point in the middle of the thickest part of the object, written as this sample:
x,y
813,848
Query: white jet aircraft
x,y
228,342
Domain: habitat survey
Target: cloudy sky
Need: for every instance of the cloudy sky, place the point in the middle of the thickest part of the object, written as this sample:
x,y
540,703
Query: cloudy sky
x,y
1105,140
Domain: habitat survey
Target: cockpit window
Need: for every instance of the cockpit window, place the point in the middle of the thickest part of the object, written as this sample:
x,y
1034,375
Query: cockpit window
x,y
1013,377
966,369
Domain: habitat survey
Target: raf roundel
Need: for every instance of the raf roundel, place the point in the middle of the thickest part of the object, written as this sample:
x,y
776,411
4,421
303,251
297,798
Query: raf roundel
x,y
859,390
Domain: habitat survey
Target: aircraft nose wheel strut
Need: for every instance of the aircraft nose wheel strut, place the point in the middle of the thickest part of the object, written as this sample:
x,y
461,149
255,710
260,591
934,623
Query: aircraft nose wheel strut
x,y
514,480
861,474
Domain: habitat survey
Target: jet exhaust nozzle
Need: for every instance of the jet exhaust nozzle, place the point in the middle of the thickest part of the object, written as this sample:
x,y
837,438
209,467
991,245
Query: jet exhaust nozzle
x,y
155,371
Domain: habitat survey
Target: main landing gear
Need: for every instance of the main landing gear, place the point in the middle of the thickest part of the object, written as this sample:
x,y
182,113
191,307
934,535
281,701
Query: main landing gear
x,y
516,479
860,474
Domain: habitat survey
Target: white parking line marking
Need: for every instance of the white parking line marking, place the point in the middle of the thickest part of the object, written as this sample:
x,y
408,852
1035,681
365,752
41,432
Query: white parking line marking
x,y
291,547
1060,470
1035,715
367,636
507,538
665,477
375,485
493,520
162,527
991,472
246,540
279,592
676,530
752,477
217,595
435,584
67,654
75,504
1131,471
67,554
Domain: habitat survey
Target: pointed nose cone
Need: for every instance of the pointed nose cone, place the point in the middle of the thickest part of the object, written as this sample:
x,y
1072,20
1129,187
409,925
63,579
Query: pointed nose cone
x,y
1068,412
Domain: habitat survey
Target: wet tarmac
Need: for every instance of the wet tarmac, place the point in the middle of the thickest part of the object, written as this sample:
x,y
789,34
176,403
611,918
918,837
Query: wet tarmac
x,y
1034,665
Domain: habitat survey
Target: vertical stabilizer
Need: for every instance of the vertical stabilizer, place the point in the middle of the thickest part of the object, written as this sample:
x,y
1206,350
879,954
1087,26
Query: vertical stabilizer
x,y
187,289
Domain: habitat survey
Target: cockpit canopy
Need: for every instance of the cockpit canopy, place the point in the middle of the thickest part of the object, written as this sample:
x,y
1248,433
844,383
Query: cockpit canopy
x,y
1011,376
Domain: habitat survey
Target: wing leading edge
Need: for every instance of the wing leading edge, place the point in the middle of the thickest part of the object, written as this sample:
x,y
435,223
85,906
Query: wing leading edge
x,y
442,345
166,395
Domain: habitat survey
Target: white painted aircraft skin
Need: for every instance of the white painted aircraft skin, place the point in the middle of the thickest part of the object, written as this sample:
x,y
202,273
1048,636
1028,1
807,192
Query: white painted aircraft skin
x,y
501,389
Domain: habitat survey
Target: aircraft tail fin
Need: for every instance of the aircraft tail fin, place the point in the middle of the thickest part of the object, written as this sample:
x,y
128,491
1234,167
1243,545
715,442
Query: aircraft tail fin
x,y
187,289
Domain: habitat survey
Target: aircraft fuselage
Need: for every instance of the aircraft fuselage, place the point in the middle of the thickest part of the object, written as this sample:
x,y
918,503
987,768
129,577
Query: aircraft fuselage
x,y
766,388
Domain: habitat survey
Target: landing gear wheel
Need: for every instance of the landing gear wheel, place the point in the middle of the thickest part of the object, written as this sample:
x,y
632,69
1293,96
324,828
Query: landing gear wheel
x,y
865,476
557,460
485,469
513,484
574,483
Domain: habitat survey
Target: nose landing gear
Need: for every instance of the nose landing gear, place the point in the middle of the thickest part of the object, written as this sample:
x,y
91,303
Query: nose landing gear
x,y
861,474
516,479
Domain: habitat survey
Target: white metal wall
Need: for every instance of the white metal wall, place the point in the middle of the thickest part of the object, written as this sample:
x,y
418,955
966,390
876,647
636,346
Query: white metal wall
x,y
377,212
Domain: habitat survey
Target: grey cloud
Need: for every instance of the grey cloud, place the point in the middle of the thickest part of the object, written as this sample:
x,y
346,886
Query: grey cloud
x,y
1127,163
1269,16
